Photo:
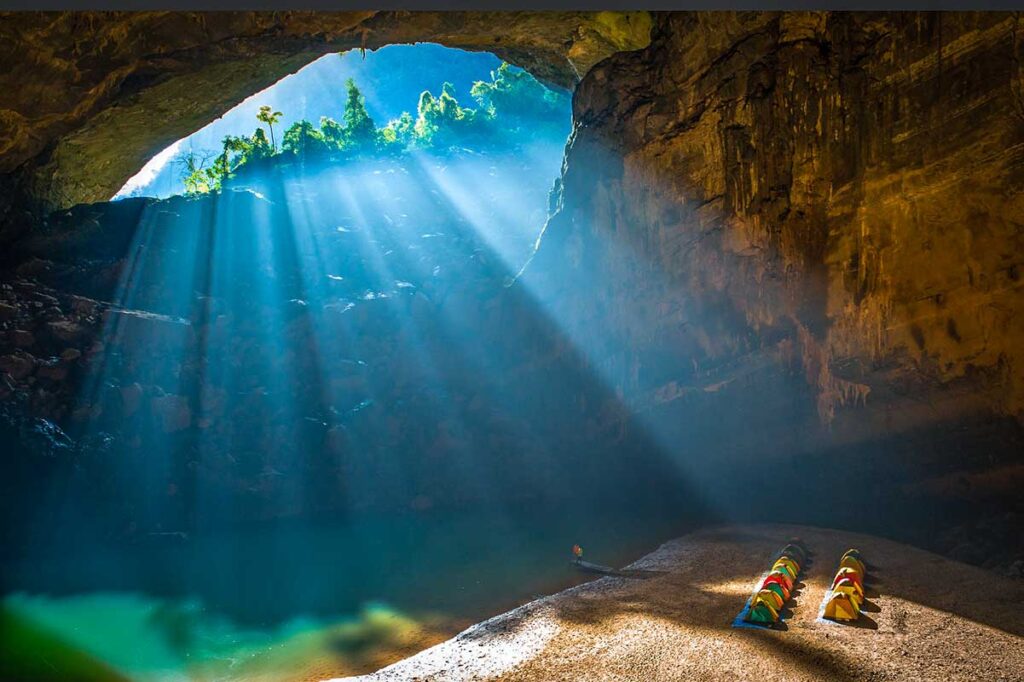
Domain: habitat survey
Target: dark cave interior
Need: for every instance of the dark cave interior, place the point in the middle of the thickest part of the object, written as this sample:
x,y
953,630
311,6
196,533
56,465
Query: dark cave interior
x,y
778,281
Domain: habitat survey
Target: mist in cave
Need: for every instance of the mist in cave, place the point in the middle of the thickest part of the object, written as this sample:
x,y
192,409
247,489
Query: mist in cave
x,y
624,345
317,371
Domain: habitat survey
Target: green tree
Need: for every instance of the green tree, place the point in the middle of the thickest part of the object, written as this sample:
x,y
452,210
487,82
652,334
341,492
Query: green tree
x,y
220,171
443,123
514,98
333,133
270,118
260,147
194,170
237,150
398,134
509,103
360,130
302,139
426,117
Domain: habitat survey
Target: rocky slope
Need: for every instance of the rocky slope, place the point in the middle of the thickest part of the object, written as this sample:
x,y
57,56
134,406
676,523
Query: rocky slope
x,y
335,357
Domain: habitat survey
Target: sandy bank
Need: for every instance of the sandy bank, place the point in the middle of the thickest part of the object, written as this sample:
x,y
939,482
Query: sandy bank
x,y
930,619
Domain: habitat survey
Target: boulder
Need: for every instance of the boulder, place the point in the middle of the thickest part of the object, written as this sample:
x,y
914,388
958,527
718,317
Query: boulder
x,y
54,370
20,365
22,338
65,330
83,305
131,398
6,386
173,411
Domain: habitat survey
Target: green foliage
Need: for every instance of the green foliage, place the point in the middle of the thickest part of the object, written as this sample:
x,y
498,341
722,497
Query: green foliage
x,y
399,133
333,133
303,139
442,123
270,118
511,107
517,99
360,131
198,172
261,148
425,114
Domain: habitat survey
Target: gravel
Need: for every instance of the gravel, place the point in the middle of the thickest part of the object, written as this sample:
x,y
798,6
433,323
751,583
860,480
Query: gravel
x,y
929,618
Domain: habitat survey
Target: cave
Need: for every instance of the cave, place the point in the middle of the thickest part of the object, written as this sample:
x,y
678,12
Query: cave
x,y
756,286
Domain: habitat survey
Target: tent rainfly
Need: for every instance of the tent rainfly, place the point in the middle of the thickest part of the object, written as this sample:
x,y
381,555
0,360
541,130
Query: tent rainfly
x,y
843,603
776,588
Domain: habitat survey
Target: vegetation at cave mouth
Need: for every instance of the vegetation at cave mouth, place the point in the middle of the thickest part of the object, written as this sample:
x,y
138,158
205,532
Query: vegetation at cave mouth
x,y
512,108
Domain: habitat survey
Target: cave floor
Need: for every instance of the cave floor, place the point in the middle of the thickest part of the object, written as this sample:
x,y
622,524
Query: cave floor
x,y
928,618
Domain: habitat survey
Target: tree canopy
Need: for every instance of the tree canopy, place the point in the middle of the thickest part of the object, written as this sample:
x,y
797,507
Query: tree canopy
x,y
510,108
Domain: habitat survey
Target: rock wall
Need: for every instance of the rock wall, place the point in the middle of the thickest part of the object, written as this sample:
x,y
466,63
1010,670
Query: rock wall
x,y
190,363
789,245
831,196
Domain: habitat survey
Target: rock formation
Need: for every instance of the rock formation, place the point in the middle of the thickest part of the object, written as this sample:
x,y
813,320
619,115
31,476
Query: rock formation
x,y
97,94
779,237
834,194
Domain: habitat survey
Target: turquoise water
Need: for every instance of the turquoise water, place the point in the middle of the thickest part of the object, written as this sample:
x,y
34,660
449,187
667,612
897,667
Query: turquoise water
x,y
295,601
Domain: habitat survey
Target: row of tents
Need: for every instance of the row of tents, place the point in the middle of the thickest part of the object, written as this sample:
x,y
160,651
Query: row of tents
x,y
778,585
843,603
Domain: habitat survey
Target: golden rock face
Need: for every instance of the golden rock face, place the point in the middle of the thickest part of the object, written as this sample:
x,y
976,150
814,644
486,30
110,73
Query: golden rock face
x,y
832,195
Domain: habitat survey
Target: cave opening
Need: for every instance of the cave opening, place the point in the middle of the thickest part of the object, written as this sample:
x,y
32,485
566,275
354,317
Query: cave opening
x,y
322,384
307,340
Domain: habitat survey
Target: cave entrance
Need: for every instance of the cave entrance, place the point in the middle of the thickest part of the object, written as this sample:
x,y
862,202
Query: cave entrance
x,y
483,135
309,372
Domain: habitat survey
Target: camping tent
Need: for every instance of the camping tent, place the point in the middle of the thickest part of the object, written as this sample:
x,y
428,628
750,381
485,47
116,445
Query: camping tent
x,y
841,606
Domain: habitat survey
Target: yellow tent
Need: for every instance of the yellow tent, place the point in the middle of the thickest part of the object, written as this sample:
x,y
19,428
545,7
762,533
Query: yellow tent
x,y
787,566
769,597
793,566
762,612
852,589
852,562
841,606
852,584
